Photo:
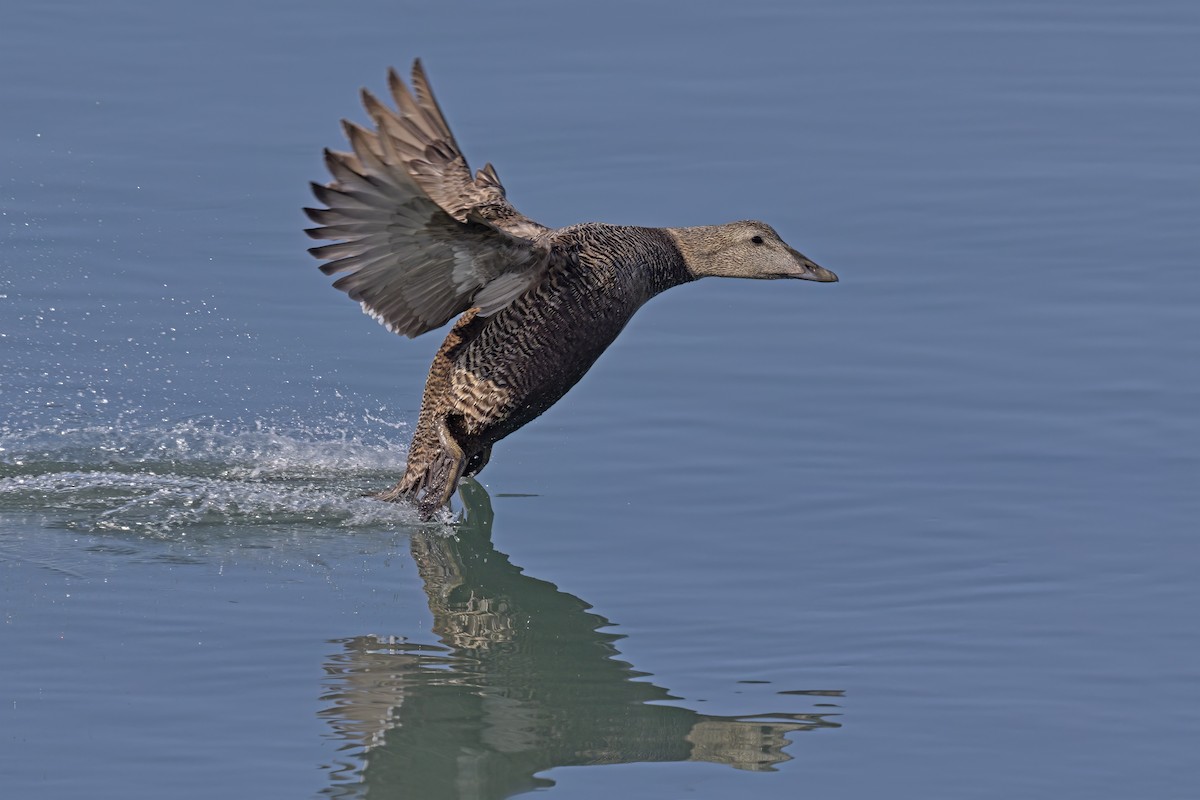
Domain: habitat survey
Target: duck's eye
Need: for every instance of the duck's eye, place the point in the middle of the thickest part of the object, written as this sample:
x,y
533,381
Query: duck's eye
x,y
756,239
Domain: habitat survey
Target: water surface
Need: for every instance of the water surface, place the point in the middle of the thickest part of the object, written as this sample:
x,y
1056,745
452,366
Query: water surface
x,y
930,527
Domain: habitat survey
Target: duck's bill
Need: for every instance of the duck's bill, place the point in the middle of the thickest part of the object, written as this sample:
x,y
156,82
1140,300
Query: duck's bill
x,y
809,270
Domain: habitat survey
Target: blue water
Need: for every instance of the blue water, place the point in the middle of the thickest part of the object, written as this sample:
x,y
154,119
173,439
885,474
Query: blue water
x,y
929,531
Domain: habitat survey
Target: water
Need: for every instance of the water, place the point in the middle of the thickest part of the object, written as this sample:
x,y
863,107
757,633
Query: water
x,y
931,527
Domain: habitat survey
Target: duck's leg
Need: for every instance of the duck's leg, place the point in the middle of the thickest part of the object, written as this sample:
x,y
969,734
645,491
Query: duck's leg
x,y
435,403
444,473
432,480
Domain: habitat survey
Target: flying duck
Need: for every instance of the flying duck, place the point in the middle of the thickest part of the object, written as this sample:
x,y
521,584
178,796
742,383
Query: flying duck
x,y
419,240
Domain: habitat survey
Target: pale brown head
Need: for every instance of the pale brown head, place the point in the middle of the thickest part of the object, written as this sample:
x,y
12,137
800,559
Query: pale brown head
x,y
746,249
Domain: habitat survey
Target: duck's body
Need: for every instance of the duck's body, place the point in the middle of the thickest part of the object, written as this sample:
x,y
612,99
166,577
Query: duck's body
x,y
493,375
424,241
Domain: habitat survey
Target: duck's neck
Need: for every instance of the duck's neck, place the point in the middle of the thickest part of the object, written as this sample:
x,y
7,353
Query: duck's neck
x,y
699,246
644,261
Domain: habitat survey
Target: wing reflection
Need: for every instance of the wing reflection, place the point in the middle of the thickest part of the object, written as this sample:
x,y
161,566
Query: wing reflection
x,y
526,681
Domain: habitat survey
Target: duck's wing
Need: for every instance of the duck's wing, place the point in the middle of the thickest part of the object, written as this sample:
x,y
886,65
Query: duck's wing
x,y
410,261
422,139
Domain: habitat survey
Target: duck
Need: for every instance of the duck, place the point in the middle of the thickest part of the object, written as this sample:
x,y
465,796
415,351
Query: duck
x,y
419,240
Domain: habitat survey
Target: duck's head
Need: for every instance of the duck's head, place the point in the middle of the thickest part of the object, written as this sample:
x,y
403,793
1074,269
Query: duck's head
x,y
746,249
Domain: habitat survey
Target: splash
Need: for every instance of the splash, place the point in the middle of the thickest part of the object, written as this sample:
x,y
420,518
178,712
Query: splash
x,y
165,479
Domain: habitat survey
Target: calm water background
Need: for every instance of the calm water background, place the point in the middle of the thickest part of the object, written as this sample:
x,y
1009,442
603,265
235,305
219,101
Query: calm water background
x,y
929,532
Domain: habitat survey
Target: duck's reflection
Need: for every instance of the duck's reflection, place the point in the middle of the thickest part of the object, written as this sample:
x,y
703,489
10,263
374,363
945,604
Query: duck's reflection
x,y
526,681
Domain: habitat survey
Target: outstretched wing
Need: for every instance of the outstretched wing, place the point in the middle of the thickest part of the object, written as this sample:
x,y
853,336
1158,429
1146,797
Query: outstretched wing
x,y
422,139
418,245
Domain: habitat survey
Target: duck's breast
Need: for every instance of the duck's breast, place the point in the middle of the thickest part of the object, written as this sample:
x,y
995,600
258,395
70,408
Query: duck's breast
x,y
531,353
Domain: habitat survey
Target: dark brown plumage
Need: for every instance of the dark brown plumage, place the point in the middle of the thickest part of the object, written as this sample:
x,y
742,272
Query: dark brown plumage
x,y
421,241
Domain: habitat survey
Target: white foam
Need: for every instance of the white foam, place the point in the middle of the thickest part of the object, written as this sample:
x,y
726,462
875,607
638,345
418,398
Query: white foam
x,y
158,479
